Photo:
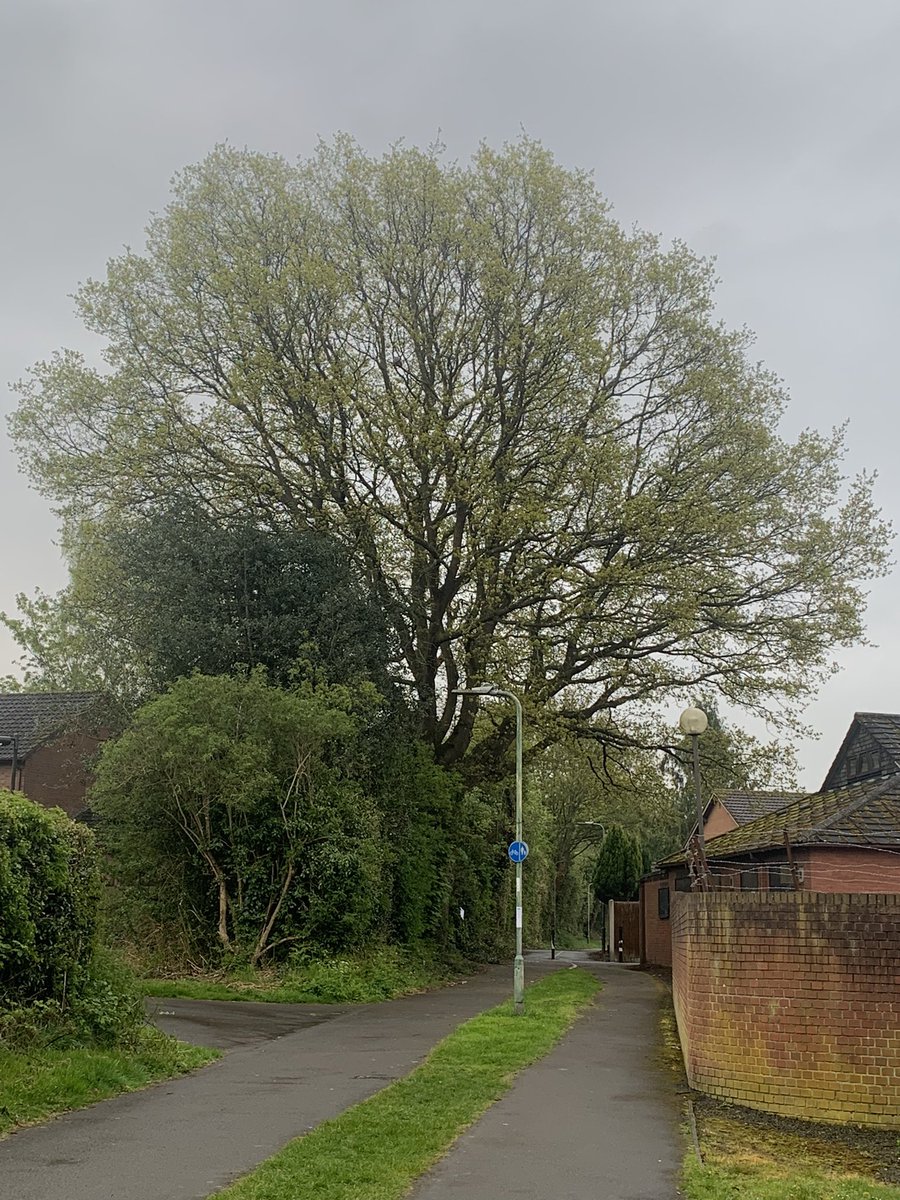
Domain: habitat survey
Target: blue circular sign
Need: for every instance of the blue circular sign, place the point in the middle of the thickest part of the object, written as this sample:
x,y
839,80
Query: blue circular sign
x,y
518,851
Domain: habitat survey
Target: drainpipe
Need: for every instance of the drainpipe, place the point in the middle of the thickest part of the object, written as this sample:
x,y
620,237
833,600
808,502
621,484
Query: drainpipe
x,y
14,768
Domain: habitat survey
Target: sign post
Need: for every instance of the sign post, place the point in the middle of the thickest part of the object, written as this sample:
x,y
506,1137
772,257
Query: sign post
x,y
518,850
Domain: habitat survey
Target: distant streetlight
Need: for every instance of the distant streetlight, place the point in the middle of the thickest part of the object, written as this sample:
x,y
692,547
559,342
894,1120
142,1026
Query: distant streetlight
x,y
494,690
594,825
693,722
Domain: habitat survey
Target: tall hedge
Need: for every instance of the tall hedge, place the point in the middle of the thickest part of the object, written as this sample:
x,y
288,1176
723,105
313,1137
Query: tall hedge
x,y
49,892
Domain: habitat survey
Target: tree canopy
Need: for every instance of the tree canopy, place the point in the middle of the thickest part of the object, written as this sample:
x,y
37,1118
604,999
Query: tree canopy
x,y
238,792
172,591
243,819
547,458
619,865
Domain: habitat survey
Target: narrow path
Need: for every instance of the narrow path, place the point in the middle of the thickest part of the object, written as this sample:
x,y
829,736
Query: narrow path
x,y
596,1119
186,1138
227,1024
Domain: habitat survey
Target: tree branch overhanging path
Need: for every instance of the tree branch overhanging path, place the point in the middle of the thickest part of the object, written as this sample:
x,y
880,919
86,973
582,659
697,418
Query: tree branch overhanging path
x,y
525,424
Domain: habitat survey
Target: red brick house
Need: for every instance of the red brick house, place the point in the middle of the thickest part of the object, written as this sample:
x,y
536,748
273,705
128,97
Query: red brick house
x,y
729,810
47,740
844,838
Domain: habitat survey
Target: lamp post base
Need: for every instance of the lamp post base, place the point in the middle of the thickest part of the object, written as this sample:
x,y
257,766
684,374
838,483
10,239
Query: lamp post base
x,y
519,984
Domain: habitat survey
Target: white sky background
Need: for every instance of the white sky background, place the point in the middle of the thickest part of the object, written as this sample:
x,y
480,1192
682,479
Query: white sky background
x,y
766,134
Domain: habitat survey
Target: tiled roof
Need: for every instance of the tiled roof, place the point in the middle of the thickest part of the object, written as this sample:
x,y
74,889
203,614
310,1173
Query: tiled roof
x,y
32,717
748,806
864,814
883,729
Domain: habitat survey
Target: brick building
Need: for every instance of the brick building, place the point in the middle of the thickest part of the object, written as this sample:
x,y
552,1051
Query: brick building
x,y
732,809
47,742
843,839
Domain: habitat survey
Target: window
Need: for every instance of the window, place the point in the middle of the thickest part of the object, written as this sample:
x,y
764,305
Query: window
x,y
781,879
662,903
750,881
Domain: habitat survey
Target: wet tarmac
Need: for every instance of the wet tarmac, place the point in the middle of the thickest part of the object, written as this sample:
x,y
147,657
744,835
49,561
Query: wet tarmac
x,y
226,1024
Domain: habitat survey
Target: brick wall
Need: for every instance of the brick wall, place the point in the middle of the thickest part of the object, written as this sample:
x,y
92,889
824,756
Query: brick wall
x,y
850,869
57,773
790,1001
656,937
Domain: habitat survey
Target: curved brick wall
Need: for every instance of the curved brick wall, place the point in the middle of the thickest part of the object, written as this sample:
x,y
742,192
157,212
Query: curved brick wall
x,y
790,1001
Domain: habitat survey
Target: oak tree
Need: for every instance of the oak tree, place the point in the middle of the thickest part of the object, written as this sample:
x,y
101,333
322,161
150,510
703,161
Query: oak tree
x,y
524,423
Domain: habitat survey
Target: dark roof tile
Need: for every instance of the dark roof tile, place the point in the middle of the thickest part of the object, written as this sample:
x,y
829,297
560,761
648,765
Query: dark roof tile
x,y
880,729
32,717
866,813
749,806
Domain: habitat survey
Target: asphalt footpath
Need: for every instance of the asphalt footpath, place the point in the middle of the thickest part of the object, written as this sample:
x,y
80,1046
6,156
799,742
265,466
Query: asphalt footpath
x,y
597,1119
292,1067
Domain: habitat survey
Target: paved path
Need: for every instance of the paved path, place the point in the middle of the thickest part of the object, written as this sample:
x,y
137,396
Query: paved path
x,y
183,1139
594,1120
226,1024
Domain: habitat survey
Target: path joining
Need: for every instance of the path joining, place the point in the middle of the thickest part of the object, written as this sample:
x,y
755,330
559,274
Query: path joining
x,y
186,1138
594,1120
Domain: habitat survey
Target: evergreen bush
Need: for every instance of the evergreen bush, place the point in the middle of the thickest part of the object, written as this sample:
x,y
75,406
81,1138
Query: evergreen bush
x,y
49,892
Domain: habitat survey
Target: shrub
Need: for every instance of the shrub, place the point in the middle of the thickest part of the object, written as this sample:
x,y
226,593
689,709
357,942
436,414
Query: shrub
x,y
230,808
49,893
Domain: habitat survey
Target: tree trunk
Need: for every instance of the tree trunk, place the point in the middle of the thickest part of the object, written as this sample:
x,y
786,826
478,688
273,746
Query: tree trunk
x,y
266,932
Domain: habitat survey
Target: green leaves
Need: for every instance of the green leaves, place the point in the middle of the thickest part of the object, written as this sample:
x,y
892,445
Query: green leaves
x,y
49,891
522,423
619,866
233,797
171,592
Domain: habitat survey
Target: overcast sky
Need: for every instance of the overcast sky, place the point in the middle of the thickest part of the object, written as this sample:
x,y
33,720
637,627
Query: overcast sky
x,y
765,134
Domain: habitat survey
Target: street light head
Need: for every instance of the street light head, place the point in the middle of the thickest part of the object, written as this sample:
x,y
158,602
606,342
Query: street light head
x,y
693,721
483,689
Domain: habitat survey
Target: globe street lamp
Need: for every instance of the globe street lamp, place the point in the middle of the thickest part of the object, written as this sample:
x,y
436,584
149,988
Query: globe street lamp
x,y
693,722
494,690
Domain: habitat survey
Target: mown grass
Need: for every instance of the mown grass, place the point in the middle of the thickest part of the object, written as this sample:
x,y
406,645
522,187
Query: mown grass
x,y
376,1150
381,975
724,1180
756,1156
45,1080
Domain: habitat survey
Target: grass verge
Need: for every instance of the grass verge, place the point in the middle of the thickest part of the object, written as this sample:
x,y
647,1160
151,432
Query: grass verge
x,y
376,1150
45,1080
382,975
743,1180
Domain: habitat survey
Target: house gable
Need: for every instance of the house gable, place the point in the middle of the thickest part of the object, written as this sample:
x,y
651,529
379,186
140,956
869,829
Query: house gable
x,y
718,820
871,748
727,810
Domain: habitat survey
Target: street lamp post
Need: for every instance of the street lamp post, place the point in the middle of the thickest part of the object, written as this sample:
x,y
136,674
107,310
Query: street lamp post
x,y
492,689
693,722
593,825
